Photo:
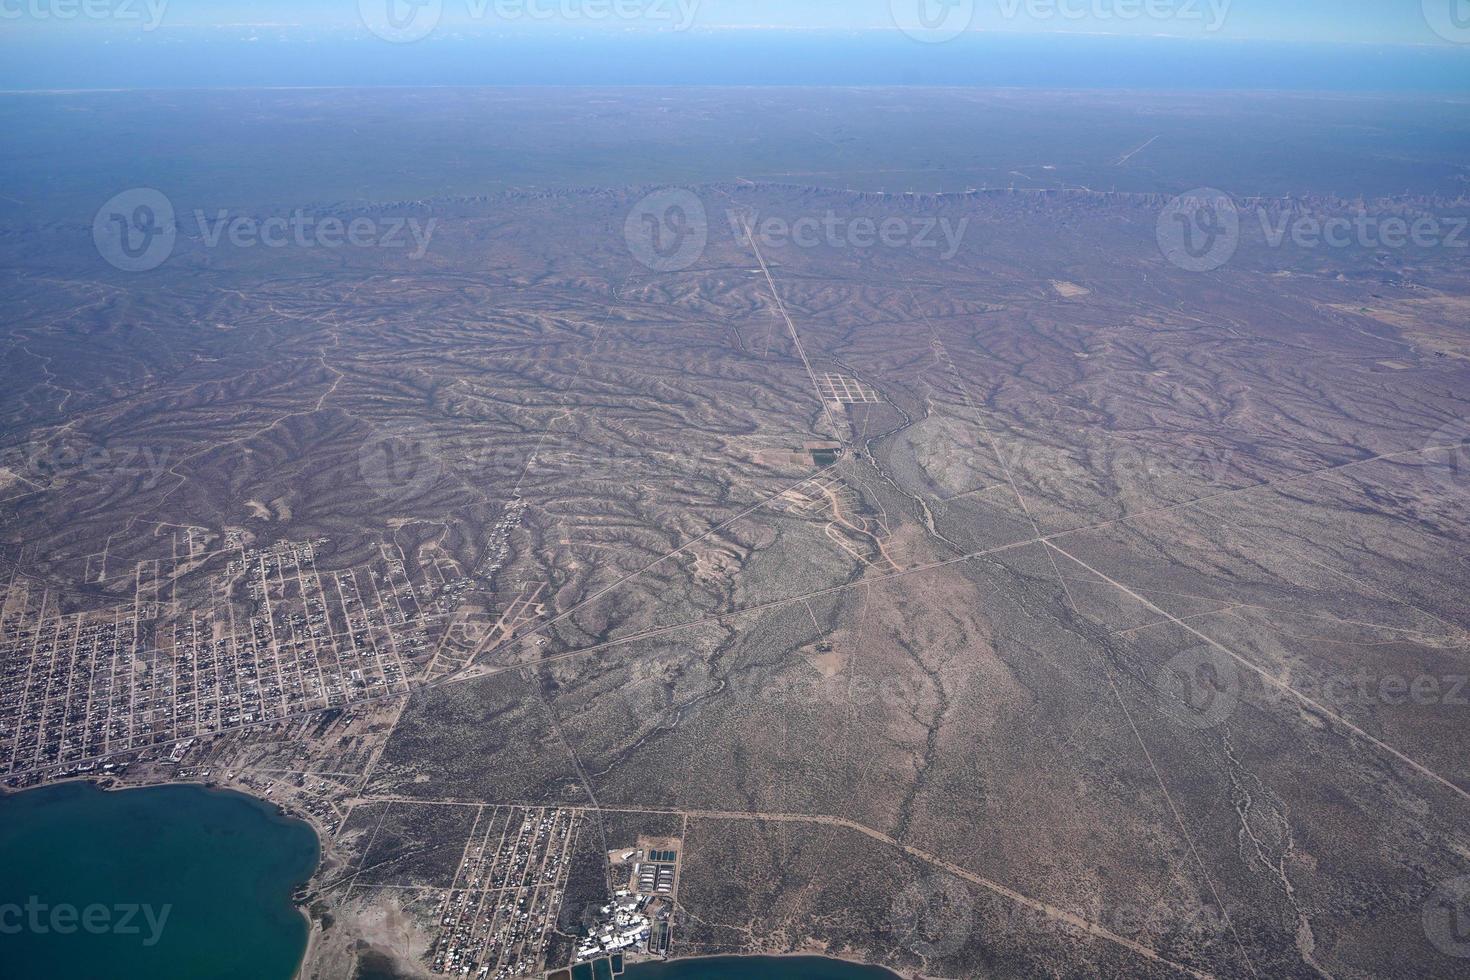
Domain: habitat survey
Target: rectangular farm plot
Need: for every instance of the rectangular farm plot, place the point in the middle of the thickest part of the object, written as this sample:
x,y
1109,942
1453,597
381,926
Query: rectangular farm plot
x,y
843,390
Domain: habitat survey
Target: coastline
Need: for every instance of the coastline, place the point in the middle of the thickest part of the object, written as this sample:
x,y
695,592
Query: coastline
x,y
301,891
232,787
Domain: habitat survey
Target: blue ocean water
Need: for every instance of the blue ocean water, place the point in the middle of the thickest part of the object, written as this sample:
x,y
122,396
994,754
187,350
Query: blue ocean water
x,y
147,884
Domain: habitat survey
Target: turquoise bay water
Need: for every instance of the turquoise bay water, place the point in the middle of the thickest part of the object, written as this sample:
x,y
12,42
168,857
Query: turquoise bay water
x,y
208,873
756,968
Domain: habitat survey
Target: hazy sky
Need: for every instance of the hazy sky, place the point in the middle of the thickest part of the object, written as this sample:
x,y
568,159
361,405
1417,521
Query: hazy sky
x,y
1394,21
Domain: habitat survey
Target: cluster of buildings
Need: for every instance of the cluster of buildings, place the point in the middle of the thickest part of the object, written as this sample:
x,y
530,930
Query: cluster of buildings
x,y
64,695
624,925
467,601
656,873
497,549
496,919
333,639
640,917
275,639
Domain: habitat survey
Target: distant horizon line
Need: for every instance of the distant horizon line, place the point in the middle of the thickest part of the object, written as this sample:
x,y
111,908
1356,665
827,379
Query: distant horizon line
x,y
477,30
1450,94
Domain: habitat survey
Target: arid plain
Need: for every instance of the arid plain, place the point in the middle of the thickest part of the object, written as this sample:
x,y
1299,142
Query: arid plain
x,y
1023,578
